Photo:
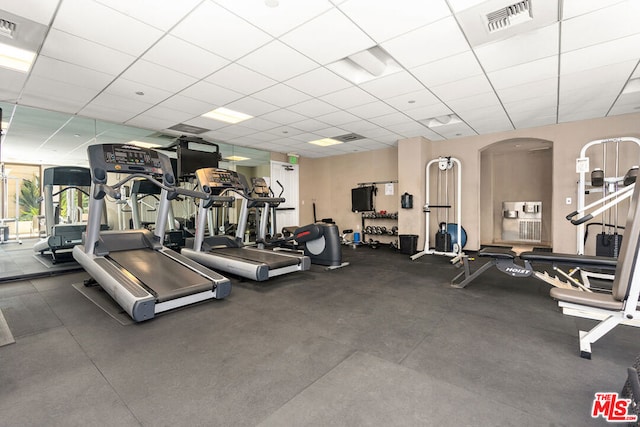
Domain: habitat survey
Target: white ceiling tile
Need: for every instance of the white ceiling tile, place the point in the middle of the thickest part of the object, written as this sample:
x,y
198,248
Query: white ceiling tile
x,y
462,88
127,89
369,144
330,132
169,115
413,100
372,109
253,107
284,116
348,98
337,118
278,61
547,87
276,20
328,37
98,23
76,50
213,28
238,130
534,122
538,105
259,124
211,93
525,73
125,104
157,76
390,119
313,108
265,136
612,52
427,44
108,113
408,130
318,82
373,16
456,130
188,105
240,79
309,125
40,11
160,14
306,137
617,21
148,122
72,74
47,102
460,5
45,88
612,76
481,100
540,43
600,96
206,123
484,127
281,95
286,131
184,57
447,70
573,8
360,126
487,114
392,85
428,111
12,83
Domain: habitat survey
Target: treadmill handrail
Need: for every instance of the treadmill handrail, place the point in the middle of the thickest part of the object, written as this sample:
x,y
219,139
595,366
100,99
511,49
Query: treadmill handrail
x,y
112,190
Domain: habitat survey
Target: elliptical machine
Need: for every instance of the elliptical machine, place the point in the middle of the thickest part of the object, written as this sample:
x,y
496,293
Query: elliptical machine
x,y
320,241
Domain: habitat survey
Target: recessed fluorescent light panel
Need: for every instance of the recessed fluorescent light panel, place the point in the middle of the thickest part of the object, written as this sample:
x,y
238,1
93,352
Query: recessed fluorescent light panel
x,y
15,58
325,142
236,158
226,115
365,65
143,144
434,122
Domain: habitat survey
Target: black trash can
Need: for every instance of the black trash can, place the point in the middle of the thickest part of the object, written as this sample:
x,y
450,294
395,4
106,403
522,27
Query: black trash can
x,y
408,244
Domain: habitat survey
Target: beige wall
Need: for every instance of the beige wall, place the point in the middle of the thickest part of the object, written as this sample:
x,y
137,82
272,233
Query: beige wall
x,y
328,180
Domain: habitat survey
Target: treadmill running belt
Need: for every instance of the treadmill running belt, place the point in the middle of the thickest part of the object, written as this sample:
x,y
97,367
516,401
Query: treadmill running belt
x,y
258,256
166,278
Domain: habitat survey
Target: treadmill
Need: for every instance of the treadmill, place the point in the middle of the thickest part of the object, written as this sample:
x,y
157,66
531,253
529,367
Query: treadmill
x,y
61,238
143,276
228,254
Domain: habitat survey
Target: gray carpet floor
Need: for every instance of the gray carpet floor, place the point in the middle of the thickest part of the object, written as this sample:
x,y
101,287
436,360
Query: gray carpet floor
x,y
385,341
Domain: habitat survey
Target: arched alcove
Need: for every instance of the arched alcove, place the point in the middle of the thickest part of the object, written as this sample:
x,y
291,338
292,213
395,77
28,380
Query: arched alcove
x,y
513,171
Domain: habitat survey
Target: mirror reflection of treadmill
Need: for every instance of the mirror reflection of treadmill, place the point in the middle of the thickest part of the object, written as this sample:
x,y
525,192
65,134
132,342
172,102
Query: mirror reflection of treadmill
x,y
143,276
229,254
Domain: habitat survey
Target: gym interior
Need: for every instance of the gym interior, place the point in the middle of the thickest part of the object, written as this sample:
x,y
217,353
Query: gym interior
x,y
342,212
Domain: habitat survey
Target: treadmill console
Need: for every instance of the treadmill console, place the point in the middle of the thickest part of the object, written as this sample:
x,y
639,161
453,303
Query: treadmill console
x,y
214,180
124,158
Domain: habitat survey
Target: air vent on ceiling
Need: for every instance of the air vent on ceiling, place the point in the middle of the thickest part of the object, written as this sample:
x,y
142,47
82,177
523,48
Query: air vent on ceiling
x,y
7,28
348,137
509,16
161,135
181,127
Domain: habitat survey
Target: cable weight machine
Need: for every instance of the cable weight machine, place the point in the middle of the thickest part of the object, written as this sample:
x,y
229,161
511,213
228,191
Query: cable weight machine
x,y
450,237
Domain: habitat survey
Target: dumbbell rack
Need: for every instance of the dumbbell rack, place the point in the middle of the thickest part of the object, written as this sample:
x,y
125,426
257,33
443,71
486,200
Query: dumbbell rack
x,y
376,231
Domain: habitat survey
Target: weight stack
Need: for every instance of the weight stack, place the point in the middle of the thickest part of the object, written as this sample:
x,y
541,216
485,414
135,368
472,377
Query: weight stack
x,y
608,244
443,242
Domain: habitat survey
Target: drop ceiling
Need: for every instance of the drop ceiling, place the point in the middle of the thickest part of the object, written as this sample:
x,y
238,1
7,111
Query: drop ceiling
x,y
148,65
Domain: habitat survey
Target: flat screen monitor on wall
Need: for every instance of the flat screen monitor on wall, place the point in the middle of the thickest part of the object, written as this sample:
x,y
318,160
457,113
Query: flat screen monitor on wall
x,y
362,199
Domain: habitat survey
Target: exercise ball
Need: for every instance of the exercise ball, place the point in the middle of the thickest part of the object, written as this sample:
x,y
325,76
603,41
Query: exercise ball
x,y
453,230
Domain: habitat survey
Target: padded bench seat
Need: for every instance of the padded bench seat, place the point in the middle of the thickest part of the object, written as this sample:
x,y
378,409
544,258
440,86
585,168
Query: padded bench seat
x,y
608,263
498,253
590,299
